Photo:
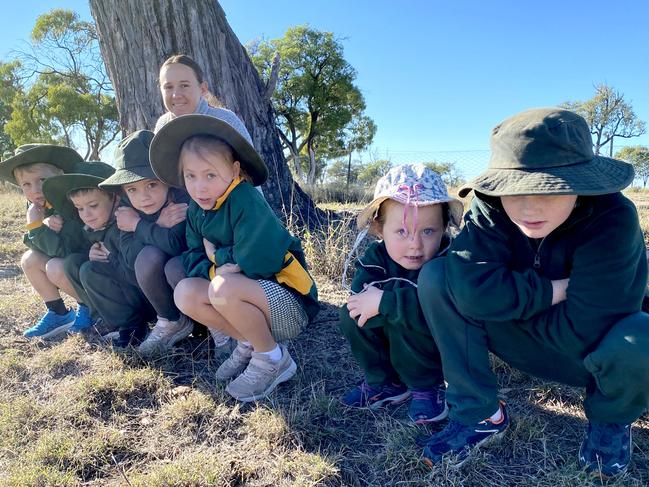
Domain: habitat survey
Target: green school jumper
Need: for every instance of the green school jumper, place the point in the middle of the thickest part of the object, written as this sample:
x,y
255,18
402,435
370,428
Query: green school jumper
x,y
493,293
245,231
69,240
396,345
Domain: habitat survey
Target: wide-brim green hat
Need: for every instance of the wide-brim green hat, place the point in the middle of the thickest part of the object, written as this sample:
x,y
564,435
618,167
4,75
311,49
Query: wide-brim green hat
x,y
165,147
57,188
547,151
60,156
131,161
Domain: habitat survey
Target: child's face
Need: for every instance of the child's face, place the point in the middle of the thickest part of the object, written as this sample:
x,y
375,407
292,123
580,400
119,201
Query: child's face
x,y
538,215
411,247
181,91
207,178
31,181
95,207
147,195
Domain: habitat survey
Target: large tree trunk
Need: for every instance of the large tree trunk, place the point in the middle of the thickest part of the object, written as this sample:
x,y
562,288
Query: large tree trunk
x,y
136,36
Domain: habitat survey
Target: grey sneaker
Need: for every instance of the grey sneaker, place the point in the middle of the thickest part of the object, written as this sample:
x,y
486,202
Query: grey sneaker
x,y
235,363
220,338
165,334
261,376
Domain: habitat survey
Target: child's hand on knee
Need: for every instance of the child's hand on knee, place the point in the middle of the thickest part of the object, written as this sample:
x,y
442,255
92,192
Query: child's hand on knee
x,y
98,252
209,249
171,215
227,269
559,288
54,222
365,305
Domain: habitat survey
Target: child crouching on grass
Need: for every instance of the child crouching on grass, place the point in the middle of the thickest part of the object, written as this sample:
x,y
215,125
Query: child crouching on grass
x,y
246,274
152,228
411,214
102,277
50,237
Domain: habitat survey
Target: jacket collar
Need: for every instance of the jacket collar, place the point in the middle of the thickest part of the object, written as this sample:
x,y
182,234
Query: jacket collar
x,y
235,182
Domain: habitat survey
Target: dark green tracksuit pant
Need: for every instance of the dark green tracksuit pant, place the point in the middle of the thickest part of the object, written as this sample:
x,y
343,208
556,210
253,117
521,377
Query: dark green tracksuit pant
x,y
393,353
615,374
109,290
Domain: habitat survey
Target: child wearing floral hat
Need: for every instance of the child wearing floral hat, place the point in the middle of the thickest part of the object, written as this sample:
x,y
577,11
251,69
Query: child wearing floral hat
x,y
548,274
411,214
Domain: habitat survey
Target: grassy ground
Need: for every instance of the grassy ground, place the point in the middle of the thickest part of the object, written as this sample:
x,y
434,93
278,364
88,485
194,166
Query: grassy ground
x,y
75,413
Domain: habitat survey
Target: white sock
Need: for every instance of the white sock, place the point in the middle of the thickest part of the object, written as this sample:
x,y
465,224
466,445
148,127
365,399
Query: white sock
x,y
275,354
244,343
497,417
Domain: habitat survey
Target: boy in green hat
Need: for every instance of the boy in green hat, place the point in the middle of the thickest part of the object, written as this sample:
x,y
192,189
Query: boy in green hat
x,y
50,237
549,274
102,277
152,224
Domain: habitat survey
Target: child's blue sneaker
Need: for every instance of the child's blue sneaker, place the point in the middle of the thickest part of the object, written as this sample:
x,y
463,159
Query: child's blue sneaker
x,y
366,396
50,325
428,405
606,450
457,441
82,319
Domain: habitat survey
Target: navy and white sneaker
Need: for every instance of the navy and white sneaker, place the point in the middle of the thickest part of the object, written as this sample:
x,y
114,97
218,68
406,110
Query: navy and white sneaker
x,y
50,325
606,450
457,441
366,396
428,405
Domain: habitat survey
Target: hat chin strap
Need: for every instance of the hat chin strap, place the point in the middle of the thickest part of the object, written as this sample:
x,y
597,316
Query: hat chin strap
x,y
410,191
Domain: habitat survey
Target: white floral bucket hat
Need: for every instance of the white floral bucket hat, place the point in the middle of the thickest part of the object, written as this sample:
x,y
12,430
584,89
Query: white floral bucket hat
x,y
414,186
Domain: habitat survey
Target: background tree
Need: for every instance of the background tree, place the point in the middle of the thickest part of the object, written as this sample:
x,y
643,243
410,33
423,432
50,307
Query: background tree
x,y
67,96
370,172
160,28
338,173
9,88
315,97
638,156
449,172
608,116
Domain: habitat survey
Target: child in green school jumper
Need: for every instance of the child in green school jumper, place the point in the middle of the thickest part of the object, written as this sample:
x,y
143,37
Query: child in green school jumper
x,y
246,274
152,228
49,236
102,277
411,214
549,274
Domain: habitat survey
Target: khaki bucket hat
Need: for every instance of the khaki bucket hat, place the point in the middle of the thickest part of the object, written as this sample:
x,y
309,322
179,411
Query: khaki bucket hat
x,y
547,151
131,161
86,175
165,147
60,156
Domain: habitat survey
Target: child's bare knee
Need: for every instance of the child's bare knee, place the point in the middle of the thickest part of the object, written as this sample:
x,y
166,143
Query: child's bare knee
x,y
219,292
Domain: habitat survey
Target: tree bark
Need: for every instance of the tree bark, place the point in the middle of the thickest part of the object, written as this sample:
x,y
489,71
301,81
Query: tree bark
x,y
136,36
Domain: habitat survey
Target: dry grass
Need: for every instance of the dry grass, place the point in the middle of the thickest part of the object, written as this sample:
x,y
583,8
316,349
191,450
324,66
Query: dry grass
x,y
74,413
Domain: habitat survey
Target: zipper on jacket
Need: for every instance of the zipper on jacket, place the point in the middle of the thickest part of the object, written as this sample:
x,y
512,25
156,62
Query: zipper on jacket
x,y
537,255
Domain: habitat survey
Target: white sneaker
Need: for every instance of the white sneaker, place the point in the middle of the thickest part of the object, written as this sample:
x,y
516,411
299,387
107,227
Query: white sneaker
x,y
220,338
261,376
235,363
165,334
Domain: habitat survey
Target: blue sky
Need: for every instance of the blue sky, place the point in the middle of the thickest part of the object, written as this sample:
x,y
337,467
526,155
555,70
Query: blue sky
x,y
437,75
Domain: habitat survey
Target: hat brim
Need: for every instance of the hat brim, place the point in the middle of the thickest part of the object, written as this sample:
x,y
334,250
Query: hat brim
x,y
600,175
56,189
62,157
165,147
368,214
128,176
